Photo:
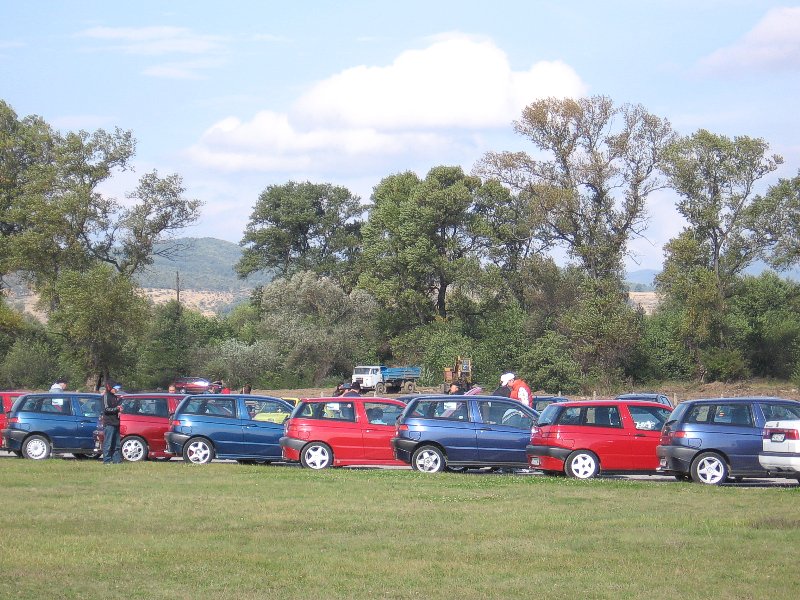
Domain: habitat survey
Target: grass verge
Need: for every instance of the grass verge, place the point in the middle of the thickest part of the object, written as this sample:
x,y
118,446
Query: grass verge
x,y
84,530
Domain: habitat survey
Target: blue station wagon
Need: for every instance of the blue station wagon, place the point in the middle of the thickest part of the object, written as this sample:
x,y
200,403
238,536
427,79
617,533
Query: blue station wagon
x,y
712,440
435,433
53,423
244,428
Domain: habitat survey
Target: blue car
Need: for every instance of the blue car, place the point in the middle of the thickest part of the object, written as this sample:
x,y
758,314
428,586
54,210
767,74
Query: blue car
x,y
244,428
40,425
646,396
436,433
709,441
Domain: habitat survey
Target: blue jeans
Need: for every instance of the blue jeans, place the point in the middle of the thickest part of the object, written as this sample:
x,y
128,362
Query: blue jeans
x,y
111,449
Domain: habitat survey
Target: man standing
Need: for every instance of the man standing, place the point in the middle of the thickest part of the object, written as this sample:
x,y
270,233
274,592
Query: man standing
x,y
354,391
519,389
59,386
111,409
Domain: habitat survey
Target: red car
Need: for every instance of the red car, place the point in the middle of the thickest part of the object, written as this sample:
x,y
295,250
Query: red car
x,y
195,385
584,438
7,398
143,422
325,432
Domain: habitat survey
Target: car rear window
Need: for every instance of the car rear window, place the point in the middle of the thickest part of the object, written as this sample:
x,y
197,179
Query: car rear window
x,y
382,413
334,411
453,410
549,415
47,404
780,412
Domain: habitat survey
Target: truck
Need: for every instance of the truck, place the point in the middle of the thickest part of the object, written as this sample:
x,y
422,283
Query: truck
x,y
382,378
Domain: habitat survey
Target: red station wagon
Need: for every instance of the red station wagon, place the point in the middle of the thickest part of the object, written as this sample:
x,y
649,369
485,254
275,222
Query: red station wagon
x,y
583,438
325,432
143,422
7,399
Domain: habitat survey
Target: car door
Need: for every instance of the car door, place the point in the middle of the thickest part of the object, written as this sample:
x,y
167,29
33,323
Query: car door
x,y
600,429
217,419
644,423
262,426
503,430
86,412
146,417
377,423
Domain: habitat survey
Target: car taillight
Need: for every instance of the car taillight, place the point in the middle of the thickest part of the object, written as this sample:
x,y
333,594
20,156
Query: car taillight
x,y
535,430
668,436
788,434
176,423
402,428
13,420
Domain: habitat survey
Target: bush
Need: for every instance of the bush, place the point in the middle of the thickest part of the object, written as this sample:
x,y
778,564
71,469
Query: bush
x,y
549,365
720,364
29,364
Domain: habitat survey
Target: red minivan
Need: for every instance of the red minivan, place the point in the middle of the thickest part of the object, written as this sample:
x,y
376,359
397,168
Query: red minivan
x,y
343,431
7,398
143,422
583,438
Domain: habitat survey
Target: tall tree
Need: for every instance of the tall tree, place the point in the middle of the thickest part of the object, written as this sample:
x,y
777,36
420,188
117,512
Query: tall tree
x,y
715,178
307,226
591,192
422,238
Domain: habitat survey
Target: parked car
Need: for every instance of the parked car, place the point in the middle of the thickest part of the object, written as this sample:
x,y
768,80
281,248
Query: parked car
x,y
42,424
194,385
780,450
711,440
7,398
542,402
245,428
336,432
585,438
143,422
435,433
648,396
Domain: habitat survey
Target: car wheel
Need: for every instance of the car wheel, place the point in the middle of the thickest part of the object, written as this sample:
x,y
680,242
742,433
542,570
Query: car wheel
x,y
134,449
316,455
198,451
36,447
582,464
428,459
709,468
380,387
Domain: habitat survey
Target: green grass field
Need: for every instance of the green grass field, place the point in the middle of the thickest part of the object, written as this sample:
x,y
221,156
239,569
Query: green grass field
x,y
84,530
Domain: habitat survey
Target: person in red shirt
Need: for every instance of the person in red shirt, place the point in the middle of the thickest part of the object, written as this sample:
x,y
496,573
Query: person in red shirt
x,y
519,389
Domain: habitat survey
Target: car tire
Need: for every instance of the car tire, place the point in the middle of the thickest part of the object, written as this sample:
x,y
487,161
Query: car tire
x,y
198,451
582,464
317,456
428,459
709,468
133,449
380,387
409,387
36,447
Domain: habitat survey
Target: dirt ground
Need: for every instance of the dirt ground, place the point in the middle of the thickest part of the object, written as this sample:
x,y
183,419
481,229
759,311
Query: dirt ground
x,y
677,391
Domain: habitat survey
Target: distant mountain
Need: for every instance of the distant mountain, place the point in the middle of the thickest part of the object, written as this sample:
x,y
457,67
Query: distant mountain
x,y
202,264
641,279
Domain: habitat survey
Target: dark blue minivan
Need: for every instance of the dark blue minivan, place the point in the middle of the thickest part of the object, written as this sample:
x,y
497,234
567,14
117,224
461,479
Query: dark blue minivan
x,y
712,440
245,428
53,423
436,433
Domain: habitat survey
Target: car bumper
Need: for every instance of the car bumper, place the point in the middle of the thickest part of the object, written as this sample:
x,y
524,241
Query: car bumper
x,y
778,462
547,458
13,438
175,442
675,459
403,449
291,447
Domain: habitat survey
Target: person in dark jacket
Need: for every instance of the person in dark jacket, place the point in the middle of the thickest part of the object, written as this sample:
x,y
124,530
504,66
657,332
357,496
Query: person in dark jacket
x,y
112,406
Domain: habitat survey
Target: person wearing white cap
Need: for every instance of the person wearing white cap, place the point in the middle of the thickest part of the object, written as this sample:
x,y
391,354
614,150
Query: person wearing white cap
x,y
519,389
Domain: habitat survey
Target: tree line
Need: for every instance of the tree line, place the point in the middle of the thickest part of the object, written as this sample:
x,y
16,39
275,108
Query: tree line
x,y
430,268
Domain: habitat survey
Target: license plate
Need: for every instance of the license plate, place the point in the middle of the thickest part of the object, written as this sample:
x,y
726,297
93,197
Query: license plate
x,y
534,461
778,437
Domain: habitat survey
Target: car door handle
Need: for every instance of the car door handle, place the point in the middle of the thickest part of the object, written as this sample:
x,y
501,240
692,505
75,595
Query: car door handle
x,y
639,435
485,429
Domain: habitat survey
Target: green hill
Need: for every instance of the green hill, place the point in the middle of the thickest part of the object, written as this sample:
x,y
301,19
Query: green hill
x,y
203,264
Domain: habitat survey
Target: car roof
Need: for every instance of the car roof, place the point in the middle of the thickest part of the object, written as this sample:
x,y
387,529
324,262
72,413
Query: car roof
x,y
145,395
635,395
738,400
610,402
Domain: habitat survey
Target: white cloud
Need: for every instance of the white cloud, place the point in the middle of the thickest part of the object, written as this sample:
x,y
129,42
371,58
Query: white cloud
x,y
427,102
154,41
774,44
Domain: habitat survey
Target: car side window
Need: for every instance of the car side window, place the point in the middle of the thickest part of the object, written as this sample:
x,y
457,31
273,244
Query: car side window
x,y
504,413
47,404
602,416
737,415
570,416
212,407
453,410
648,418
334,411
780,412
90,407
382,413
267,410
149,407
700,413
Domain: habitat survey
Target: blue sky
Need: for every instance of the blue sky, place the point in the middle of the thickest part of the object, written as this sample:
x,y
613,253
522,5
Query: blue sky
x,y
239,96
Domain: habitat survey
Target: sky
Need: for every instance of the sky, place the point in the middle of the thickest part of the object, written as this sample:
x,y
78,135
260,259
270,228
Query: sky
x,y
239,96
